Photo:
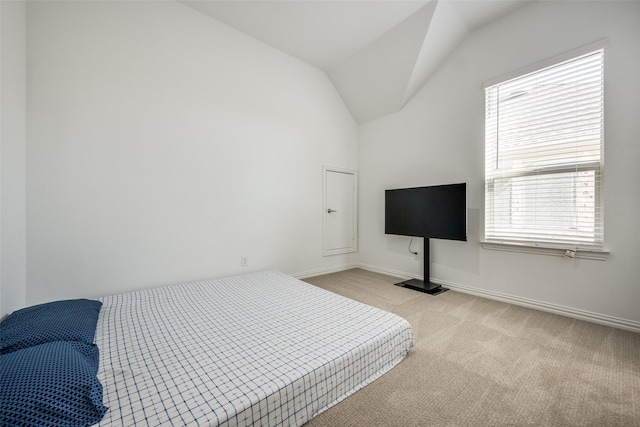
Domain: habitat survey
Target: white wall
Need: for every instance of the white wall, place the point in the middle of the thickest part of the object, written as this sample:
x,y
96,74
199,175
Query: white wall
x,y
12,152
163,146
438,138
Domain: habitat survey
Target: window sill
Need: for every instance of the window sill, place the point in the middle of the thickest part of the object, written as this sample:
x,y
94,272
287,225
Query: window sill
x,y
600,255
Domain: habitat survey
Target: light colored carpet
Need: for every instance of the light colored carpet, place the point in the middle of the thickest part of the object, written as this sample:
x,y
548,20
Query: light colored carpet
x,y
478,362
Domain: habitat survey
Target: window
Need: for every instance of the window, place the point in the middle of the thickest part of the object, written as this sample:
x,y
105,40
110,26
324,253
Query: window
x,y
544,163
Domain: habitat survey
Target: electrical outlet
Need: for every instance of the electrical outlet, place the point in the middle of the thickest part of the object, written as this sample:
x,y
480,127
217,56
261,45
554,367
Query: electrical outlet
x,y
416,255
244,261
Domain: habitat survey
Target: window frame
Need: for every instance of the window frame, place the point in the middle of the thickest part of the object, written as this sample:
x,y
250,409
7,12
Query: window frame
x,y
588,251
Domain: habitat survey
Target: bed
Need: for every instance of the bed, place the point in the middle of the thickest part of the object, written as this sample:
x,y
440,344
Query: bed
x,y
255,349
260,349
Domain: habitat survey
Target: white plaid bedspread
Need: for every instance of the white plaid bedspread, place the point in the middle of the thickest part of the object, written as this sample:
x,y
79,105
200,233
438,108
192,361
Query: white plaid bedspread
x,y
260,349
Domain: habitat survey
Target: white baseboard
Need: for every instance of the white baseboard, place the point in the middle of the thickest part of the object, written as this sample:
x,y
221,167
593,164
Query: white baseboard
x,y
389,272
320,272
589,316
603,319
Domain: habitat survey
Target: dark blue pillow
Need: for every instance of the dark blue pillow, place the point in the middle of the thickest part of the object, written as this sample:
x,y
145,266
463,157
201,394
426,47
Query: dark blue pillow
x,y
68,320
51,384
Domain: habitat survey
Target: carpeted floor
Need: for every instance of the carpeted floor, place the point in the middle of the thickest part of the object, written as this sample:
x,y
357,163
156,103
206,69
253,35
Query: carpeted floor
x,y
478,362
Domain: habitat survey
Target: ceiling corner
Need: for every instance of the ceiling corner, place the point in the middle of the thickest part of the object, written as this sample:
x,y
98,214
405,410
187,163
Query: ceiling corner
x,y
373,82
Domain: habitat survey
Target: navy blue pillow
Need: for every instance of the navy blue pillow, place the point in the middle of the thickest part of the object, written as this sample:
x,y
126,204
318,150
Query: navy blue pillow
x,y
51,384
68,320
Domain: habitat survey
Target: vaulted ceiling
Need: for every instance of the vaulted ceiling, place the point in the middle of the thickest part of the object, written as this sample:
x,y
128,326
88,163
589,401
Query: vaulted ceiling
x,y
377,53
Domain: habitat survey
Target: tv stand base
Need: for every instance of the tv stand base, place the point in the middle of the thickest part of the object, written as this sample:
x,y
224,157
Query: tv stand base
x,y
422,286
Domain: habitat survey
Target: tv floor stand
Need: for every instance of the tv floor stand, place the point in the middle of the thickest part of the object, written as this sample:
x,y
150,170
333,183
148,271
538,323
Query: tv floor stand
x,y
422,285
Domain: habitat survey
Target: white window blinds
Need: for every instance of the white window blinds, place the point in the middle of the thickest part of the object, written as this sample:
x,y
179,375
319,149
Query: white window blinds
x,y
544,163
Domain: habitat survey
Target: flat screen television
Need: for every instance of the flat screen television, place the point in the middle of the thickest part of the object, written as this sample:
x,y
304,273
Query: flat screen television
x,y
433,212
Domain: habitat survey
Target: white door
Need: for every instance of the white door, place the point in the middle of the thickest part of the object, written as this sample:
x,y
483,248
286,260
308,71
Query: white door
x,y
340,213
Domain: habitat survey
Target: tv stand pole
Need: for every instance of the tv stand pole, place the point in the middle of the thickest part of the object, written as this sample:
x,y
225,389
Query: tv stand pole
x,y
424,285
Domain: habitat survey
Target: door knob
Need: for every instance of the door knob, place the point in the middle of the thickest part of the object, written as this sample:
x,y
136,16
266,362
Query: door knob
x,y
330,211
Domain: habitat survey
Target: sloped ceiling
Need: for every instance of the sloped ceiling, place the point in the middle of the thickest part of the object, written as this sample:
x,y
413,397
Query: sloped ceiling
x,y
377,53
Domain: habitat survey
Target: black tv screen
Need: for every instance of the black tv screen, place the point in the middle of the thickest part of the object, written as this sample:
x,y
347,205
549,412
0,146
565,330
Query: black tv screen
x,y
438,212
